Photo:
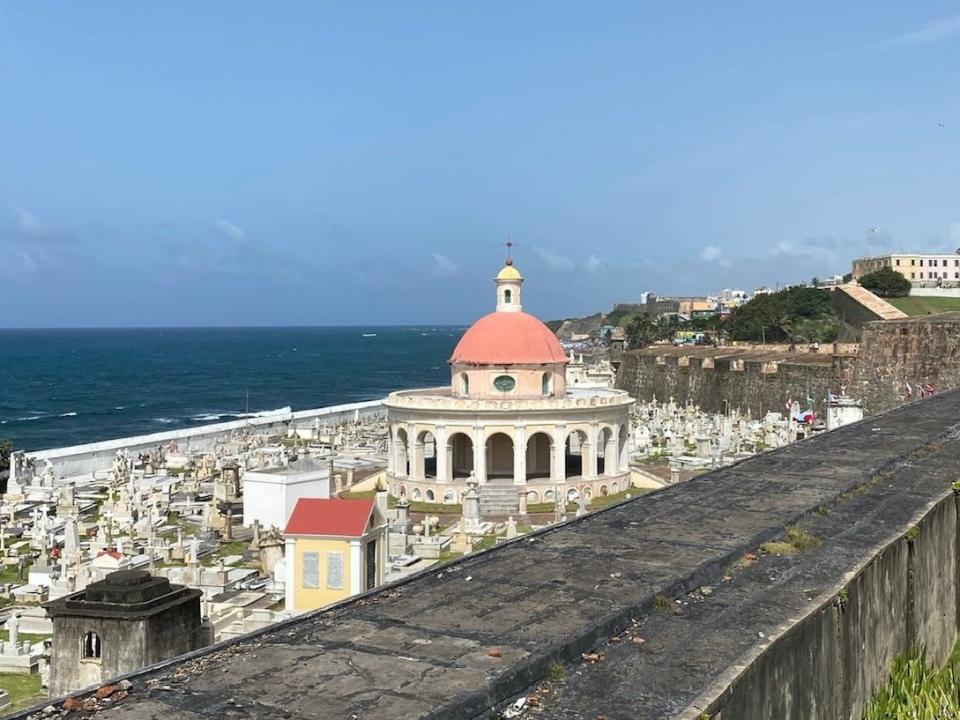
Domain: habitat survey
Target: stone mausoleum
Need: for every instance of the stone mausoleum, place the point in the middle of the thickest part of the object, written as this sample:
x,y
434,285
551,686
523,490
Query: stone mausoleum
x,y
508,419
117,625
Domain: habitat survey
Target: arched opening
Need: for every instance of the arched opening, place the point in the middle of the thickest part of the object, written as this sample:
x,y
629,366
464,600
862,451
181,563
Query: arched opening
x,y
459,455
430,496
507,297
426,456
539,457
449,498
464,384
545,388
575,453
602,438
91,646
607,460
499,457
401,464
624,449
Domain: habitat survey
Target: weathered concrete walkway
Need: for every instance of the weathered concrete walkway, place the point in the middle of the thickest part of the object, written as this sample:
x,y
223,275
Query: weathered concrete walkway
x,y
423,648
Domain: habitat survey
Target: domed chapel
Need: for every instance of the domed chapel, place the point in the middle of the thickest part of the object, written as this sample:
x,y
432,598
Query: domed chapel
x,y
508,419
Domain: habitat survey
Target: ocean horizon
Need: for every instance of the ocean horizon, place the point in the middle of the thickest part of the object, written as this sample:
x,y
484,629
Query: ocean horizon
x,y
67,386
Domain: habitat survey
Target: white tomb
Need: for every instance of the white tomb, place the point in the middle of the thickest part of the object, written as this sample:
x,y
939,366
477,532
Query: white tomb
x,y
269,495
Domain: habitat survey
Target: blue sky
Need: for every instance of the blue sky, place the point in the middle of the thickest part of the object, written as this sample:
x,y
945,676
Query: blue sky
x,y
184,163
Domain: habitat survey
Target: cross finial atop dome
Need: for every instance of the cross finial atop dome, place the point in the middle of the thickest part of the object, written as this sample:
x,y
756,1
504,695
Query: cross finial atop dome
x,y
509,245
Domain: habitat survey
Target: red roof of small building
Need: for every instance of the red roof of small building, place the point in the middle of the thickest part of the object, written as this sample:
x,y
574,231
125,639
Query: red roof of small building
x,y
330,516
112,553
508,338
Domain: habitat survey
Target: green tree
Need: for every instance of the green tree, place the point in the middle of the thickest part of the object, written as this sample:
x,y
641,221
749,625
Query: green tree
x,y
886,282
640,332
796,314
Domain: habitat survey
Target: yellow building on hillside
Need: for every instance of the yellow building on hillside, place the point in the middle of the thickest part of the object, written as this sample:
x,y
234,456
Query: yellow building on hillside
x,y
916,267
333,548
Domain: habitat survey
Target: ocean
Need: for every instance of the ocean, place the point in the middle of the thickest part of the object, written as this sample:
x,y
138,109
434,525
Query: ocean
x,y
65,387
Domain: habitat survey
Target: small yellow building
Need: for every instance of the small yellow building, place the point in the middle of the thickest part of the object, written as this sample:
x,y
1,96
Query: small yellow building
x,y
333,548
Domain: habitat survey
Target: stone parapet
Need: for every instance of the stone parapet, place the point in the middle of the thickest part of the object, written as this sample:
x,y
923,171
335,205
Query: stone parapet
x,y
437,400
807,636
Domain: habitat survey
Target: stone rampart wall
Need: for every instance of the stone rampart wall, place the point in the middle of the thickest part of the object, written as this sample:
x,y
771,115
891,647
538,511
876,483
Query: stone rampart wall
x,y
829,663
899,353
717,385
852,312
896,358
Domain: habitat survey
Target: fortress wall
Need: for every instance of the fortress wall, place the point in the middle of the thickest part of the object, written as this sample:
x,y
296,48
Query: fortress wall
x,y
87,458
760,386
894,353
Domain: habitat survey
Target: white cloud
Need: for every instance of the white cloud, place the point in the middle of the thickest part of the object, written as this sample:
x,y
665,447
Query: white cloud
x,y
234,232
929,33
557,263
594,262
711,253
26,220
442,265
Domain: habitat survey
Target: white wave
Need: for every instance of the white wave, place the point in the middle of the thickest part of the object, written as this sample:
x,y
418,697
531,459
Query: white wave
x,y
164,421
207,417
30,417
68,414
119,407
264,413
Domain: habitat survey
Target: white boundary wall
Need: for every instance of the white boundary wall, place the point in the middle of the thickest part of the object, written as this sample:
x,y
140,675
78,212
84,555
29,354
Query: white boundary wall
x,y
85,459
935,291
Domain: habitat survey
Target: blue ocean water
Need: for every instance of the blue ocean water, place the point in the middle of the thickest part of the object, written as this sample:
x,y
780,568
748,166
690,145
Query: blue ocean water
x,y
64,387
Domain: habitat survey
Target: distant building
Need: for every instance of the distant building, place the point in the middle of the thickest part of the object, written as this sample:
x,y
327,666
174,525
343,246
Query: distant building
x,y
618,340
334,548
657,306
916,267
117,625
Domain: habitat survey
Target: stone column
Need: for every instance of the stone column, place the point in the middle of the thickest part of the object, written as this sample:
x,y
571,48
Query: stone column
x,y
416,461
441,453
558,468
588,453
479,455
611,454
392,452
523,502
520,455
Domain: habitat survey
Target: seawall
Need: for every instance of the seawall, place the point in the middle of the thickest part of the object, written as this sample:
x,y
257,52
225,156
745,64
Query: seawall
x,y
685,614
87,458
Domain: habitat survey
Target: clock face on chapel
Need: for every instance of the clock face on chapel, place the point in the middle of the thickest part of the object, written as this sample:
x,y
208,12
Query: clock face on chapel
x,y
504,383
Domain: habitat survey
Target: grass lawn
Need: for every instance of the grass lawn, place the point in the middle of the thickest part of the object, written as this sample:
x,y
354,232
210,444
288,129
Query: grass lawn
x,y
5,635
25,690
238,547
415,506
919,305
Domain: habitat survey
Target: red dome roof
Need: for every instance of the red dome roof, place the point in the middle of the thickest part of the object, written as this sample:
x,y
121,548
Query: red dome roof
x,y
508,338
